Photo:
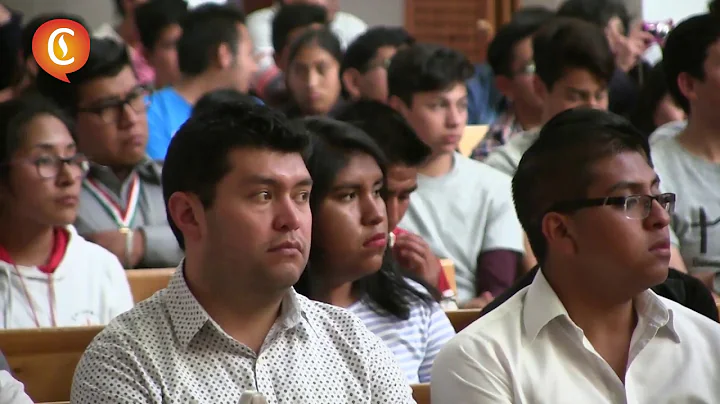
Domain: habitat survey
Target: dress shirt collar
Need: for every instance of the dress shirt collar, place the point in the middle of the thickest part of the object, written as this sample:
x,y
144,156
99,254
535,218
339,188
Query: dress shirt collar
x,y
188,317
542,306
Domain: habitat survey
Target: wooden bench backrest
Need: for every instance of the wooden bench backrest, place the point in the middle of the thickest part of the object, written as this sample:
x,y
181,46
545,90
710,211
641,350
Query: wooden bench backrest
x,y
44,359
421,393
462,318
471,137
145,282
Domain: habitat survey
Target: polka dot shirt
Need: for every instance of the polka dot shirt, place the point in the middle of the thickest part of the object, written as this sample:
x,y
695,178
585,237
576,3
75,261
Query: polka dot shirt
x,y
168,350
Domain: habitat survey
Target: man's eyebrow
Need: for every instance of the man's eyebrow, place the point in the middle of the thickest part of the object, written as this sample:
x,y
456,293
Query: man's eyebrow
x,y
264,180
631,186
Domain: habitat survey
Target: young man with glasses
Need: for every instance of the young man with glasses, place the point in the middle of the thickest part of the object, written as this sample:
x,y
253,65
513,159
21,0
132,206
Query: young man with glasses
x,y
510,56
364,65
587,329
121,204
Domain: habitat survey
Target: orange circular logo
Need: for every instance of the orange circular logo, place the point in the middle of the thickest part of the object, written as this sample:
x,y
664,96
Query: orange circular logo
x,y
60,47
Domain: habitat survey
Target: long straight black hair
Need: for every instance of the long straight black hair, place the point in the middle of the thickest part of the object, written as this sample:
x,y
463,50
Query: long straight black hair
x,y
331,145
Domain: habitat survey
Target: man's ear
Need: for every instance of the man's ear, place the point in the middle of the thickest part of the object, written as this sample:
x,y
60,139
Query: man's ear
x,y
540,88
686,84
224,57
350,78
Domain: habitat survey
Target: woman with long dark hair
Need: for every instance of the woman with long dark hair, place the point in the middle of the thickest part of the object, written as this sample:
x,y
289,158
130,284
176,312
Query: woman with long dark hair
x,y
350,265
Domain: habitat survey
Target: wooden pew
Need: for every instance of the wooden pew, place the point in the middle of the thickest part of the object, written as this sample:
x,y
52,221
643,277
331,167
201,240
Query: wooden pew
x,y
44,359
421,393
471,137
462,318
145,282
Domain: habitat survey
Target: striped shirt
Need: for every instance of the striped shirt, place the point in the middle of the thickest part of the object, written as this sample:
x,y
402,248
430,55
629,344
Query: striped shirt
x,y
414,341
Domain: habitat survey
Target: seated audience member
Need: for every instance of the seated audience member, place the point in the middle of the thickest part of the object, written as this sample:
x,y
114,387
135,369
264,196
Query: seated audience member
x,y
689,163
52,276
364,65
627,40
345,26
238,196
217,98
11,390
655,106
404,153
510,55
573,66
349,264
289,22
158,23
462,208
588,329
313,78
10,40
121,206
214,51
127,33
25,80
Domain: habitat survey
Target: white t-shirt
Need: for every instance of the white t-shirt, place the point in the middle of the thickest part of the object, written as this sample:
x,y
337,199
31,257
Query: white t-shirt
x,y
670,129
11,390
89,287
506,158
346,26
462,214
529,351
696,221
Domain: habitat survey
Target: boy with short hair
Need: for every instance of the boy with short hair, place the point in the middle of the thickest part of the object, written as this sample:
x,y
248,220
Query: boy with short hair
x,y
158,23
462,208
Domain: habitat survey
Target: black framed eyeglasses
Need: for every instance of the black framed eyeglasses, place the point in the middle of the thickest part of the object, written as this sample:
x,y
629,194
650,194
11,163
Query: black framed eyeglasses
x,y
50,166
527,70
635,206
111,111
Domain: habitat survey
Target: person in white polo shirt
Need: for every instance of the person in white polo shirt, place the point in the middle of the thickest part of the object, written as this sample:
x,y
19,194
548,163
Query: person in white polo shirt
x,y
587,329
49,275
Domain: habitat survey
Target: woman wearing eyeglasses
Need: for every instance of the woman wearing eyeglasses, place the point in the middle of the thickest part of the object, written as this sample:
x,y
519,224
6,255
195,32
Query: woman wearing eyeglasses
x,y
49,275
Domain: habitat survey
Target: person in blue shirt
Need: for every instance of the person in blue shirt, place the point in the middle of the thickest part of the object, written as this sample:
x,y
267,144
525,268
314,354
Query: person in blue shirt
x,y
214,52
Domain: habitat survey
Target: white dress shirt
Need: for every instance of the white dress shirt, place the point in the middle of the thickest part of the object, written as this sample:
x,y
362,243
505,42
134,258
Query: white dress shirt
x,y
528,350
167,350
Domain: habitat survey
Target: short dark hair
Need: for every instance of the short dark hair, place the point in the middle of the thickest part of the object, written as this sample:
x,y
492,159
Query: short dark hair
x,y
570,43
28,31
293,16
322,37
119,8
525,22
426,67
396,138
107,58
598,12
558,167
205,29
153,17
653,90
363,49
714,7
685,51
197,158
15,115
220,97
331,146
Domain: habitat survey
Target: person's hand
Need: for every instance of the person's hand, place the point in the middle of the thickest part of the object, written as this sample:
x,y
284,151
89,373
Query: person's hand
x,y
629,49
414,254
5,15
115,242
479,302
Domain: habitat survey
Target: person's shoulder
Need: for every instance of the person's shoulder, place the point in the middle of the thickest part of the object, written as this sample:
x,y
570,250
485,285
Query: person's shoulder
x,y
668,130
690,324
337,323
263,14
480,172
146,324
507,157
87,255
344,18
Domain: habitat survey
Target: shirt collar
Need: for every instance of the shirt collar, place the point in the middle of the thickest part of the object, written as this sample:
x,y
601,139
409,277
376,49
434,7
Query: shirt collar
x,y
188,317
147,169
542,306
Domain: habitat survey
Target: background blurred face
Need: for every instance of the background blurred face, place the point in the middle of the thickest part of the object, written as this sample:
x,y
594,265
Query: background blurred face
x,y
576,88
372,85
704,95
245,66
401,182
33,193
313,79
520,87
260,222
112,126
438,117
163,57
613,252
350,225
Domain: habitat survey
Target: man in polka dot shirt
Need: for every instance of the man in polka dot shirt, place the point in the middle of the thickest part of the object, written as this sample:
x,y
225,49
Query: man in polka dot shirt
x,y
236,190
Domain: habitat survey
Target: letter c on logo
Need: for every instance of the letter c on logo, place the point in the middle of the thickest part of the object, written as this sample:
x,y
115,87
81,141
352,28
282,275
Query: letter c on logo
x,y
51,46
